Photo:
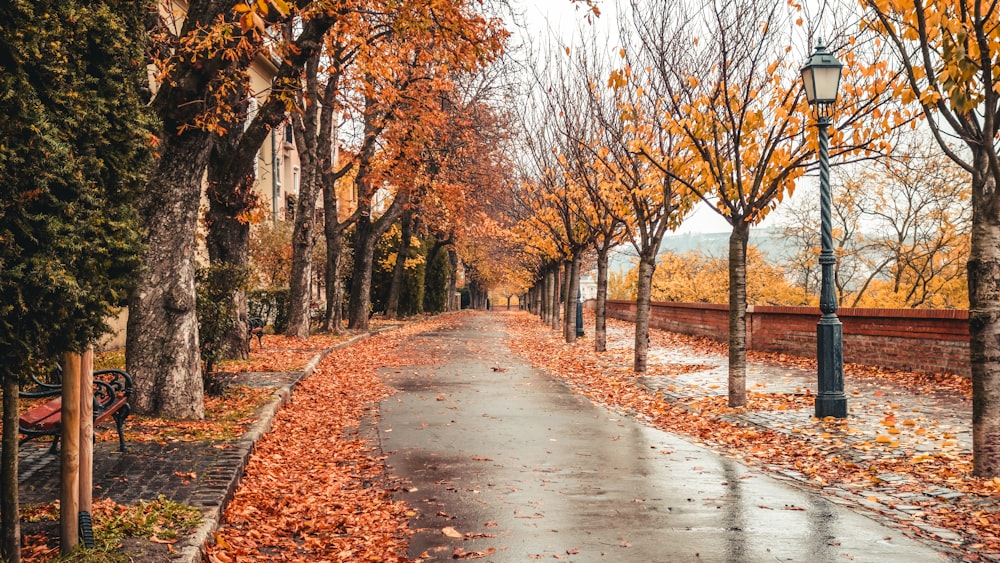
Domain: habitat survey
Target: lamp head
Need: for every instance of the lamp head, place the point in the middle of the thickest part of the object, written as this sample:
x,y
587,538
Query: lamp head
x,y
821,78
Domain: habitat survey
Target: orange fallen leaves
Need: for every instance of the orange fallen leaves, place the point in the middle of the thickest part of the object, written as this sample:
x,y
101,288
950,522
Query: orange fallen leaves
x,y
312,489
280,353
756,402
226,417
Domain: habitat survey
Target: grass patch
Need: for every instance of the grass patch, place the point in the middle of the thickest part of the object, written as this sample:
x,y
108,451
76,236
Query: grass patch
x,y
113,359
160,522
227,417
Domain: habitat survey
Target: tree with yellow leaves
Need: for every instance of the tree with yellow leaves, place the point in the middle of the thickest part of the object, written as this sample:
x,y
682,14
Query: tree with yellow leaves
x,y
652,194
948,52
725,87
900,229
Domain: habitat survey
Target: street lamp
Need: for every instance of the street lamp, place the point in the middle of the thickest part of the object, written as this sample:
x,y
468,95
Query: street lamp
x,y
579,313
821,78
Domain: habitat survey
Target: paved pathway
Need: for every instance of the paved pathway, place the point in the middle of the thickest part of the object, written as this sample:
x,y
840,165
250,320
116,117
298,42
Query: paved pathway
x,y
519,468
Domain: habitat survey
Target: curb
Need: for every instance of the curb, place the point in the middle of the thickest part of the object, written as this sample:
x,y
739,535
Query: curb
x,y
215,503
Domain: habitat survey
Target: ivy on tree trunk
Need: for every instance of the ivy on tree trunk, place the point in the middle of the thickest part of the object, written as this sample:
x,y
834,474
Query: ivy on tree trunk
x,y
402,253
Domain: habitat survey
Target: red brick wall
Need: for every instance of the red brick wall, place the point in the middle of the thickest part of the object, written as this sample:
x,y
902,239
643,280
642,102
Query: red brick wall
x,y
928,340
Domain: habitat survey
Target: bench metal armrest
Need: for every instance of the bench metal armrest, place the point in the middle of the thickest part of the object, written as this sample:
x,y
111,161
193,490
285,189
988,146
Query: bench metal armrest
x,y
41,388
117,379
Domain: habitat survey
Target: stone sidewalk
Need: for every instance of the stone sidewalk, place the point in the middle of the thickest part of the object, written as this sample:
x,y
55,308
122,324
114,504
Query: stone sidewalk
x,y
911,421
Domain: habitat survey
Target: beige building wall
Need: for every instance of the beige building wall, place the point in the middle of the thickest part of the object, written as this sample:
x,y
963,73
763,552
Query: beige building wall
x,y
278,168
116,339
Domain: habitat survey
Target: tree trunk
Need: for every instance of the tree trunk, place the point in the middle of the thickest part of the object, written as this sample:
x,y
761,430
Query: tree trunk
x,y
479,299
433,281
367,235
644,290
984,321
10,519
334,285
738,313
455,304
474,295
228,242
162,341
548,298
358,310
230,197
303,240
601,305
539,299
572,289
315,129
569,301
540,295
242,142
553,297
402,253
555,314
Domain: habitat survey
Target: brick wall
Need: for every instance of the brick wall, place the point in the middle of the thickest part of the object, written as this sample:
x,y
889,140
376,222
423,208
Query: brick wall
x,y
927,340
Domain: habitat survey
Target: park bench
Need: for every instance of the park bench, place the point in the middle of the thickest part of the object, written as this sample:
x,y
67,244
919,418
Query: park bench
x,y
112,390
255,327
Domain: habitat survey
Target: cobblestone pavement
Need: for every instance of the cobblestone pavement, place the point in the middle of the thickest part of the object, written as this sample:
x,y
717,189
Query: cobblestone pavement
x,y
148,470
925,421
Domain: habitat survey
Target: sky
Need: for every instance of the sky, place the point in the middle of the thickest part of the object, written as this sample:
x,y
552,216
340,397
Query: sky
x,y
564,17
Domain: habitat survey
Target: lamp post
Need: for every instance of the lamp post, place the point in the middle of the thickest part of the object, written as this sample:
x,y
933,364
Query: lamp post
x,y
579,313
821,78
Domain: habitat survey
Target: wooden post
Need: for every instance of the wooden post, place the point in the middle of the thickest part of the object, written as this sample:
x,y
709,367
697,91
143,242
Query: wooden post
x,y
87,431
69,498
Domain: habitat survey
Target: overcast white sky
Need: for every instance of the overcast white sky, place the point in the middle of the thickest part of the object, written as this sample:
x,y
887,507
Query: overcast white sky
x,y
563,17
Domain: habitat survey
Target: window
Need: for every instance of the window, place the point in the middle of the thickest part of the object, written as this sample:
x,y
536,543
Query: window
x,y
277,168
251,112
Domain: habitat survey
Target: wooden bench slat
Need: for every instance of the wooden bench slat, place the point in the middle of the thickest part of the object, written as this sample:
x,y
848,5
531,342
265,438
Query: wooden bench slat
x,y
44,417
110,409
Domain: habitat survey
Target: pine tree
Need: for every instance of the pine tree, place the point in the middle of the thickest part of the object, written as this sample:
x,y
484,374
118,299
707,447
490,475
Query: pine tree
x,y
72,156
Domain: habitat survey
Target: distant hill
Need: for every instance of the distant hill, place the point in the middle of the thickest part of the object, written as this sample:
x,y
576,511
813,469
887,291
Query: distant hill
x,y
768,240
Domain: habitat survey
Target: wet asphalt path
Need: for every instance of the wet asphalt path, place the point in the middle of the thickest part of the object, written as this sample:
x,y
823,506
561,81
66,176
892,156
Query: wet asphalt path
x,y
524,469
